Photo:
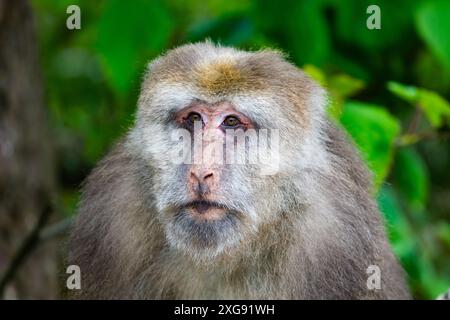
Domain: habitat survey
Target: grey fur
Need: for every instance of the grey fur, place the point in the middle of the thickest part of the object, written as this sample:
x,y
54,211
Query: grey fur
x,y
308,232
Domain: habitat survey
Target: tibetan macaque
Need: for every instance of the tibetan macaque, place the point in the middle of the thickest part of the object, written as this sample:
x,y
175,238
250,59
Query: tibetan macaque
x,y
156,223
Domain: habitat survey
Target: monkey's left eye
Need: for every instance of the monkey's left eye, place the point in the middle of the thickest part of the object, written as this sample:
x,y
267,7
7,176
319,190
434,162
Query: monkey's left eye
x,y
231,121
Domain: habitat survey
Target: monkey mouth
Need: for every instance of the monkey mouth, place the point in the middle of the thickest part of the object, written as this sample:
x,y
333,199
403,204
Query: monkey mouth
x,y
204,224
204,210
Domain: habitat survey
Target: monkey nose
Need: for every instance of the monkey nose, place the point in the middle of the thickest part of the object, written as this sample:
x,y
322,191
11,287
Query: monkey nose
x,y
201,181
201,176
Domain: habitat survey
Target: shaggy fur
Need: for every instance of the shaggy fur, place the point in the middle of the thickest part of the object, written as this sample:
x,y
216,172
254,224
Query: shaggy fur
x,y
307,232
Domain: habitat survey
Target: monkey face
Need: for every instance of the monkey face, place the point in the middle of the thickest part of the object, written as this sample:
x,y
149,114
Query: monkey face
x,y
208,206
194,108
205,185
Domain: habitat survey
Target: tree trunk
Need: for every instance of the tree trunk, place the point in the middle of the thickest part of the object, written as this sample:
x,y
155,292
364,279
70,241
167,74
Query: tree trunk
x,y
26,166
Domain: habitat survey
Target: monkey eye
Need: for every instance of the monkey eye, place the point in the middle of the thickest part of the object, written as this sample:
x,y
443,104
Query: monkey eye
x,y
231,121
193,117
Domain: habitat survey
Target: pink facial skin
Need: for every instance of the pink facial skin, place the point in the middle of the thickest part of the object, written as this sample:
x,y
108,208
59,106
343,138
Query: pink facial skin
x,y
203,179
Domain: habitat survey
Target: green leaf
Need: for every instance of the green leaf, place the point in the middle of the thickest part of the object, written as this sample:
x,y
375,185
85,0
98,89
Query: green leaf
x,y
411,176
307,22
130,33
374,131
234,30
351,19
342,86
301,22
345,85
435,108
398,229
316,74
432,284
433,24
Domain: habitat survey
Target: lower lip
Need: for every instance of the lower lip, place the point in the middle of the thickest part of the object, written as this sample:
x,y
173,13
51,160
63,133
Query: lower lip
x,y
209,213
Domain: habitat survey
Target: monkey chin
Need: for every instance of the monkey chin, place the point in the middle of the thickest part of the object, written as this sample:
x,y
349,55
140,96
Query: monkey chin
x,y
203,230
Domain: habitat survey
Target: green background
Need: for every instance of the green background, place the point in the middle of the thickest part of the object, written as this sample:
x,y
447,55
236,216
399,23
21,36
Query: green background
x,y
389,88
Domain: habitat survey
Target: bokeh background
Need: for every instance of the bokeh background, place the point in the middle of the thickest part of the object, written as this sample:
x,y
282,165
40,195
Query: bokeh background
x,y
390,88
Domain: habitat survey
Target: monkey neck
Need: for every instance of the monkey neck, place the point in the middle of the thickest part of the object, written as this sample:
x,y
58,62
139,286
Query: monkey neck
x,y
263,252
258,263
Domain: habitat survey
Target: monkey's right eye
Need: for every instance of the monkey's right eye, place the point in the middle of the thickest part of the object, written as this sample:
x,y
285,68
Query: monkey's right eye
x,y
193,117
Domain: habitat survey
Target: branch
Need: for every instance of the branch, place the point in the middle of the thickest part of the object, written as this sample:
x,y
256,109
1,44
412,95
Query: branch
x,y
56,229
31,242
415,121
409,139
27,246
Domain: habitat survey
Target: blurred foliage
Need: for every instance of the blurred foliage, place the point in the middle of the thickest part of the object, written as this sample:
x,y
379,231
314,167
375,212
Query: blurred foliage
x,y
389,88
374,131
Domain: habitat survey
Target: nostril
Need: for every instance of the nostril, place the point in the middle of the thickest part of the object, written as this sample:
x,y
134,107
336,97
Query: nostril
x,y
200,177
201,181
209,175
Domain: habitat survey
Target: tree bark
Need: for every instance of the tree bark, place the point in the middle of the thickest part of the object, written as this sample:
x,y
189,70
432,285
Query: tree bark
x,y
26,161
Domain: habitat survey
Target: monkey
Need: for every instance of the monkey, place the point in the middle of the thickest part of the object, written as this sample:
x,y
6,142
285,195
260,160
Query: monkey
x,y
150,227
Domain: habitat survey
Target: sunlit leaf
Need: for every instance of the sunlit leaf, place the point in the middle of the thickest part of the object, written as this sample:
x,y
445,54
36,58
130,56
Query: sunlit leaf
x,y
316,74
435,108
408,139
341,87
345,85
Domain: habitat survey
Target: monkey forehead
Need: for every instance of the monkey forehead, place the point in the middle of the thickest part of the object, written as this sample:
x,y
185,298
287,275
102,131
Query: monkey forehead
x,y
217,70
213,73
